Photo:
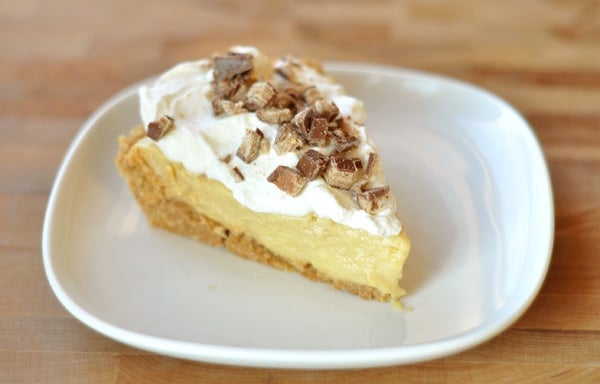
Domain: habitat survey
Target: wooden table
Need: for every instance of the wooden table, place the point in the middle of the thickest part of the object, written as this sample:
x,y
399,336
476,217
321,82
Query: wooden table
x,y
60,59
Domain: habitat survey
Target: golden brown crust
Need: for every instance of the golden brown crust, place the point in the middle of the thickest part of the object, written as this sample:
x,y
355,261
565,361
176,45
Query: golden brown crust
x,y
181,218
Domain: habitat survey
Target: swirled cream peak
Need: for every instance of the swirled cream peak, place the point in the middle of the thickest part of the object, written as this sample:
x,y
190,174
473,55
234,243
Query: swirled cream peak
x,y
210,130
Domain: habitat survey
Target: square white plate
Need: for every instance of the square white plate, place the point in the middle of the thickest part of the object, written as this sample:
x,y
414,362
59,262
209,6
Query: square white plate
x,y
473,192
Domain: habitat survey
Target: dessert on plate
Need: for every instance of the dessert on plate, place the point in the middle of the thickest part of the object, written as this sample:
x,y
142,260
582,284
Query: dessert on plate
x,y
270,159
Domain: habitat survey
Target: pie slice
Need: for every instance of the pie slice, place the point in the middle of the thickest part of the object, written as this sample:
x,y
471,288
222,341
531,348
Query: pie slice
x,y
271,160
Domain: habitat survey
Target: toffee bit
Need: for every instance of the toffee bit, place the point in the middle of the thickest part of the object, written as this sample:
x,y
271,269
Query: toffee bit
x,y
274,115
373,200
341,172
238,176
283,100
228,107
158,129
342,136
311,95
231,89
286,72
318,132
241,91
288,180
342,144
226,67
326,109
287,140
290,98
264,146
226,159
294,93
312,164
260,95
359,186
372,163
250,147
260,133
303,119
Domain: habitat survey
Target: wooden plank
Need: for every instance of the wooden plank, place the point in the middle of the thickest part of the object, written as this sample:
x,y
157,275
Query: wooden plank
x,y
36,170
54,334
62,367
72,367
21,220
25,290
562,311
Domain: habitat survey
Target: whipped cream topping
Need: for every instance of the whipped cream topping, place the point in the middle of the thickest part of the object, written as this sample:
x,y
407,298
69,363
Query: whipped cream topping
x,y
200,141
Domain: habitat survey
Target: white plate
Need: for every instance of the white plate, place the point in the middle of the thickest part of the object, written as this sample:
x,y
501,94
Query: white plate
x,y
473,191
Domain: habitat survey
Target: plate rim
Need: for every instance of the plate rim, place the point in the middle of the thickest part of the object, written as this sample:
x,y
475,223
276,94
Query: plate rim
x,y
299,358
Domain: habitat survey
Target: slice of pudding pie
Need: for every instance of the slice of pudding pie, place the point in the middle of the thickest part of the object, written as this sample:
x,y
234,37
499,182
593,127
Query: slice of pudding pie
x,y
272,161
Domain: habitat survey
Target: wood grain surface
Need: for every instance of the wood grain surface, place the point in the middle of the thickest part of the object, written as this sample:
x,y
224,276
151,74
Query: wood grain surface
x,y
60,59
